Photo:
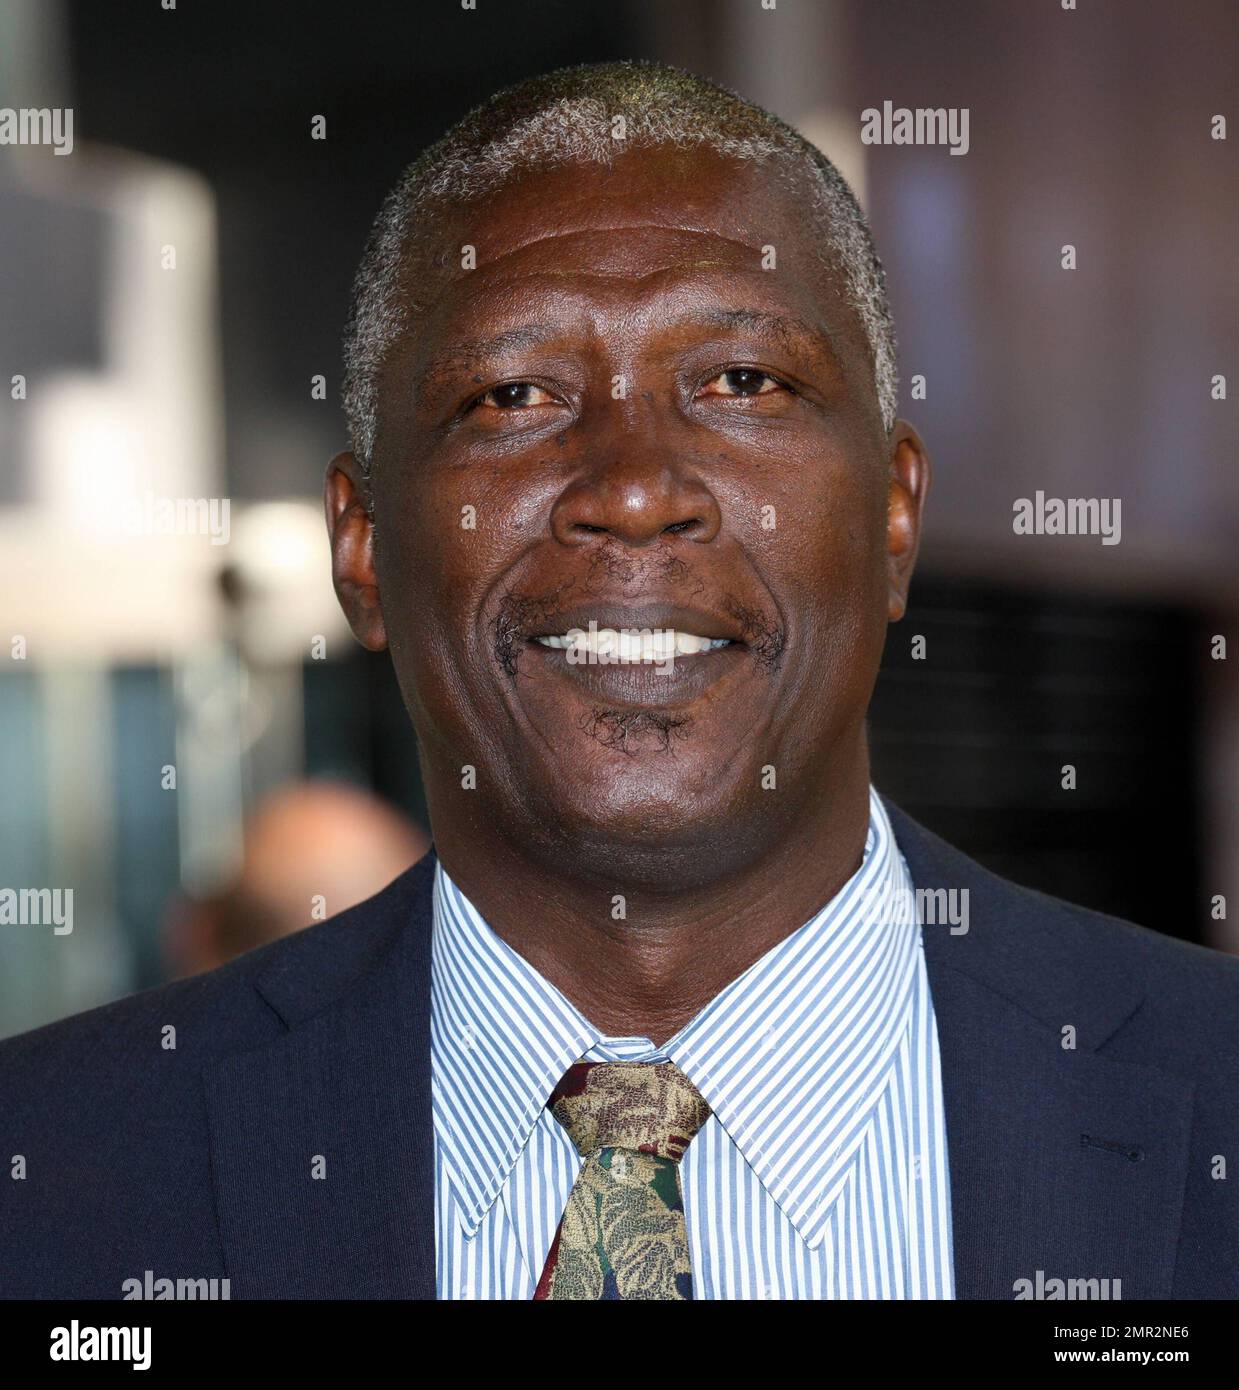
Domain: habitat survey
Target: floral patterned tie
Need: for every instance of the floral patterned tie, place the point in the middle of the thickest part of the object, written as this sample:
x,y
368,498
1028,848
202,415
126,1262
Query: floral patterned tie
x,y
622,1234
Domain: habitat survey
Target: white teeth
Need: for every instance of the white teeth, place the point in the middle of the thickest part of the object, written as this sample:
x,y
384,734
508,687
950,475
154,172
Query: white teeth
x,y
631,644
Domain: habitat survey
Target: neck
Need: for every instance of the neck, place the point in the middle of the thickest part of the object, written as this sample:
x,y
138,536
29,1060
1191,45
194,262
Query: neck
x,y
650,972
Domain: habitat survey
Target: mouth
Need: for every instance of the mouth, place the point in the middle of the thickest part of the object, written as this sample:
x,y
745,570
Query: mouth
x,y
653,656
630,644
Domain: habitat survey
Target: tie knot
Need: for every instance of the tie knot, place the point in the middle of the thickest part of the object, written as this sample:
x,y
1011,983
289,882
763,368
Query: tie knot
x,y
650,1107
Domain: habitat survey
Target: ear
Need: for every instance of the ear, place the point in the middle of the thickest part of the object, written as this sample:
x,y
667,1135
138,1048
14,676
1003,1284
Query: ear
x,y
907,489
351,531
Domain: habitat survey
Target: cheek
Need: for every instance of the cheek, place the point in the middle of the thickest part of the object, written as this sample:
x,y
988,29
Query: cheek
x,y
441,547
428,534
817,532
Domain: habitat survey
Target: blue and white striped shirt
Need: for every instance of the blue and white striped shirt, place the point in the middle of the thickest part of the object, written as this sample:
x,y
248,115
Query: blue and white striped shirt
x,y
822,1172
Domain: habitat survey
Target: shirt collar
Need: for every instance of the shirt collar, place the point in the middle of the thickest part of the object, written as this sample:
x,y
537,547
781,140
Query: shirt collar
x,y
501,1037
792,1056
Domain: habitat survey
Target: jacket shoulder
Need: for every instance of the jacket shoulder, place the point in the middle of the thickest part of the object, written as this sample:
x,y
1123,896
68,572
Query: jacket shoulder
x,y
104,1115
1063,961
174,1029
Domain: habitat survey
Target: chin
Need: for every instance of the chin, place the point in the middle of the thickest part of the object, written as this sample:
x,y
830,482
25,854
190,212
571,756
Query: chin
x,y
652,831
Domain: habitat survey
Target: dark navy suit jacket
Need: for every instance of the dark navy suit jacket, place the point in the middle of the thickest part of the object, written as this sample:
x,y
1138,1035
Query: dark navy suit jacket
x,y
1098,1161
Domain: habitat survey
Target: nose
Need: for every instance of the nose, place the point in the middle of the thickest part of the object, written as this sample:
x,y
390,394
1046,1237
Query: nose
x,y
637,493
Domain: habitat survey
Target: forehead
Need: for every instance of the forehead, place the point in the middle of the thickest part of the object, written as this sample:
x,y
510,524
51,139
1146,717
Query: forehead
x,y
621,243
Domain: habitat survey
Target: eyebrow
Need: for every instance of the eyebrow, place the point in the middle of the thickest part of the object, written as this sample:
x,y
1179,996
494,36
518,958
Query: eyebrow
x,y
460,357
785,328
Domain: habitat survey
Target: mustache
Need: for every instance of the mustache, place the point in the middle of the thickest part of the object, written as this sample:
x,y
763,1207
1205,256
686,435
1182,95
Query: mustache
x,y
520,612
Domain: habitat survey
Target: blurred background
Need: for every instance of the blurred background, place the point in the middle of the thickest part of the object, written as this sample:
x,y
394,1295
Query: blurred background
x,y
189,737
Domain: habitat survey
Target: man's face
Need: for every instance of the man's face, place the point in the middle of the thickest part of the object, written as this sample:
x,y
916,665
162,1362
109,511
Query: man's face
x,y
647,407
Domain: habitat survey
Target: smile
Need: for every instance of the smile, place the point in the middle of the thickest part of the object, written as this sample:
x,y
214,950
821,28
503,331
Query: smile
x,y
656,673
620,645
654,655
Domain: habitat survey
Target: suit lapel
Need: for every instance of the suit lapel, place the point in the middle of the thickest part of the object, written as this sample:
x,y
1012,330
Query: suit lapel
x,y
322,1140
1066,1160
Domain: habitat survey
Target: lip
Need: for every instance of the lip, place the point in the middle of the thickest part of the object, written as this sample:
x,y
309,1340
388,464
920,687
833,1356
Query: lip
x,y
643,684
651,616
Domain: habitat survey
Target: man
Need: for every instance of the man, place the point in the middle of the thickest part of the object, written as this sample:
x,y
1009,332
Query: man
x,y
657,1019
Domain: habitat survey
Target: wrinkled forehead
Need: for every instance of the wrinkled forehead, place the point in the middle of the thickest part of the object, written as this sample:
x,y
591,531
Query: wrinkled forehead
x,y
655,223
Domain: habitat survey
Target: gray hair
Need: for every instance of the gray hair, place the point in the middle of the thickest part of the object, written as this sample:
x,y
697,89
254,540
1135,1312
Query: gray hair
x,y
565,117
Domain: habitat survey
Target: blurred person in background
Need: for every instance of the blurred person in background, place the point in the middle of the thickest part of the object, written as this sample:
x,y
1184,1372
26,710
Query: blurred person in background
x,y
310,850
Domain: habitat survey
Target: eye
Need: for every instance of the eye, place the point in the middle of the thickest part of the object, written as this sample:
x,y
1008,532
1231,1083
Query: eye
x,y
512,395
742,382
